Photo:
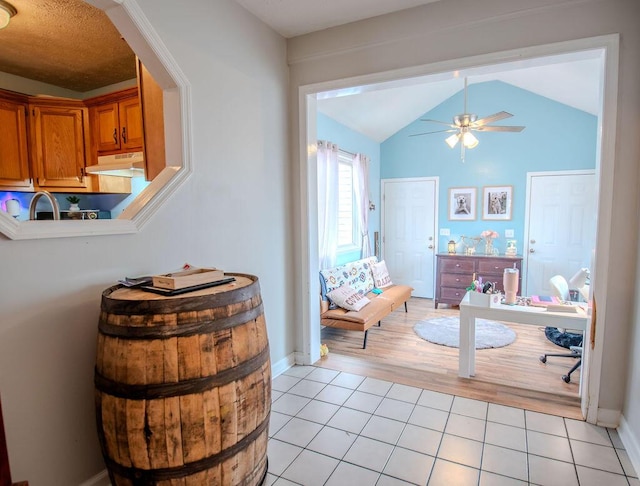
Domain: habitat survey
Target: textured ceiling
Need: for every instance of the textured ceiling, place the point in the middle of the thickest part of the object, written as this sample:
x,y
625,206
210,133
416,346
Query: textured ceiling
x,y
66,43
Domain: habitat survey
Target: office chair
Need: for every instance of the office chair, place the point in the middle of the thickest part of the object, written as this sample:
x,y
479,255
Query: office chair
x,y
572,341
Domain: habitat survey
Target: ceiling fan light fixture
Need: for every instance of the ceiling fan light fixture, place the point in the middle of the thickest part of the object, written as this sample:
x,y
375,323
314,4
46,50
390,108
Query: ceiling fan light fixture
x,y
6,12
469,140
452,140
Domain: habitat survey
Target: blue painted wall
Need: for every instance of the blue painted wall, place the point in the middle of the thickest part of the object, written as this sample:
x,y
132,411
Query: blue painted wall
x,y
556,137
355,142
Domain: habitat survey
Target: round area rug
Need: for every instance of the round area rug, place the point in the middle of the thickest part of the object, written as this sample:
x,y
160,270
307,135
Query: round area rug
x,y
446,331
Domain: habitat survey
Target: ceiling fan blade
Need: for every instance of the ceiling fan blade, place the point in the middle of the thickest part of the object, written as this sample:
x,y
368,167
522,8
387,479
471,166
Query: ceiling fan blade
x,y
437,131
498,129
438,121
501,115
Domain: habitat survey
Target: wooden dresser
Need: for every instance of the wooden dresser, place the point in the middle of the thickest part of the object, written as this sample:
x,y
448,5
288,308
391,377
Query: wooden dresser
x,y
455,272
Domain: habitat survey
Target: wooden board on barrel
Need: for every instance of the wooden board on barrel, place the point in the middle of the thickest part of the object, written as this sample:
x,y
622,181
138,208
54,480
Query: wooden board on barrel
x,y
183,386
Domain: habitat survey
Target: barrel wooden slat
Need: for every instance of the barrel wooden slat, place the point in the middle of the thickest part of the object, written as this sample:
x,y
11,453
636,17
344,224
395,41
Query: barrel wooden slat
x,y
155,361
136,362
159,457
170,360
136,418
173,431
122,437
212,433
107,409
189,357
192,420
208,352
183,386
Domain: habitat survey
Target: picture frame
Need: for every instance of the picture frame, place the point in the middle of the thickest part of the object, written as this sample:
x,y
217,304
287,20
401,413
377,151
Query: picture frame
x,y
463,202
497,203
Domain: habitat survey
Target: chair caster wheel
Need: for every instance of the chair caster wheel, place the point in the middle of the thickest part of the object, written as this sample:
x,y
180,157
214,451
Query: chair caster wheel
x,y
543,359
566,378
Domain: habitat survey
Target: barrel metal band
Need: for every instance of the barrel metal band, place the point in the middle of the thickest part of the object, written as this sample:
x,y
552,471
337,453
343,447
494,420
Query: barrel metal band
x,y
186,387
145,476
184,330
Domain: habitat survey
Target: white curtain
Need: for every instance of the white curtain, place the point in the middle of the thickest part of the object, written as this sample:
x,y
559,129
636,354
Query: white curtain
x,y
361,188
327,203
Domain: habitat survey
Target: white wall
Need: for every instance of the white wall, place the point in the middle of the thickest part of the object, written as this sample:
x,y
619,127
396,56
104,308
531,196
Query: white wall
x,y
444,31
232,213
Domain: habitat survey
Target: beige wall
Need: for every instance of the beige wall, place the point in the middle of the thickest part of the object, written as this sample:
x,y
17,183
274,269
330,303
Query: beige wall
x,y
457,29
232,213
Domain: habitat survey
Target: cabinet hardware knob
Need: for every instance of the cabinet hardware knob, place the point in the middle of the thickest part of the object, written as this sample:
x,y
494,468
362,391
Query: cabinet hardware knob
x,y
124,134
115,135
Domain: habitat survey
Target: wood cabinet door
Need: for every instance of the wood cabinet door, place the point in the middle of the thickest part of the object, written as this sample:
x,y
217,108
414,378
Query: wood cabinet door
x,y
130,118
152,103
106,127
14,159
58,146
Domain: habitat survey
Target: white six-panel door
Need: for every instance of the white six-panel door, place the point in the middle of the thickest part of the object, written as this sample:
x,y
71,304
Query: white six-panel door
x,y
409,243
560,228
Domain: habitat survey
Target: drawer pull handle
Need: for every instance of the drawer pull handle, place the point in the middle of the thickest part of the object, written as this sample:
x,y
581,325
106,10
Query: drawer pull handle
x,y
496,268
457,265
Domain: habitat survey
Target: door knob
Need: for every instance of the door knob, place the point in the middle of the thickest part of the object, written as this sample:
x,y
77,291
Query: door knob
x,y
533,242
531,250
430,247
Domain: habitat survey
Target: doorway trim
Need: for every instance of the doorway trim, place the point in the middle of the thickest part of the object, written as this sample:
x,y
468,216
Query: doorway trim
x,y
308,327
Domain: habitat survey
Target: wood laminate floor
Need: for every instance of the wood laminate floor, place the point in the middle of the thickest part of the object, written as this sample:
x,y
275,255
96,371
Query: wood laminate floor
x,y
512,375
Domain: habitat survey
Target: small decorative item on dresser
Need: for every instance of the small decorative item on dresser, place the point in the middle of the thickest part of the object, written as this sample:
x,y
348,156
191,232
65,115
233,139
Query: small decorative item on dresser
x,y
489,236
511,250
451,247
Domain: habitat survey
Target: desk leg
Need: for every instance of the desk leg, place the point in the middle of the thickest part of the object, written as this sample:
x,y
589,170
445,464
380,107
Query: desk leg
x,y
467,350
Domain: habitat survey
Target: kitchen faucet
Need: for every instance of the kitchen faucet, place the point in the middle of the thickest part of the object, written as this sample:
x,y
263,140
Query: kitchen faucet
x,y
52,200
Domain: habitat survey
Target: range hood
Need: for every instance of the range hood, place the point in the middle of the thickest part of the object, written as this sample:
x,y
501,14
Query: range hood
x,y
122,165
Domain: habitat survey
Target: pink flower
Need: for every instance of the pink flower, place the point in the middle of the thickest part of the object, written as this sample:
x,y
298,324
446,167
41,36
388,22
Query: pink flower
x,y
489,234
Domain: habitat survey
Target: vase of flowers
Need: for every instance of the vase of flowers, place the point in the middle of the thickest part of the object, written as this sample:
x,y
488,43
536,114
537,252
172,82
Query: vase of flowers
x,y
489,236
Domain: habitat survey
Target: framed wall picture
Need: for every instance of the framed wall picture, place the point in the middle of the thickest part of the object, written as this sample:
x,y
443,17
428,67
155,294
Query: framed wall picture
x,y
462,203
497,202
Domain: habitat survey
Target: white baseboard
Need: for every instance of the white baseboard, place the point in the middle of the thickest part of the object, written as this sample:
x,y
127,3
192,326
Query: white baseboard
x,y
608,418
100,479
283,365
630,441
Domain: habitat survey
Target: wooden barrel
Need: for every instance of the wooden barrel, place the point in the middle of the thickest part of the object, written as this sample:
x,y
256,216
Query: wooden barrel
x,y
183,386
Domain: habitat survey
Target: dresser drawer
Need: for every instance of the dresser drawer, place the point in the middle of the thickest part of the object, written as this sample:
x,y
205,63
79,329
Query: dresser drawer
x,y
456,265
492,267
456,280
447,293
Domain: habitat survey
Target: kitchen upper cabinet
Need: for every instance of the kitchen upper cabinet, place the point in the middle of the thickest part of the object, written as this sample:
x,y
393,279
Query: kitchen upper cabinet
x,y
58,143
152,101
14,157
116,122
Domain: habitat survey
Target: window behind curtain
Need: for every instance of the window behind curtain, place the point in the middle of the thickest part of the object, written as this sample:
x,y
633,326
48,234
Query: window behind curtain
x,y
348,235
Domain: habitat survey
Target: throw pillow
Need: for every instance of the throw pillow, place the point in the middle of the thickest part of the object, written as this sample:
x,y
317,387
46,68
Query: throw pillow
x,y
348,298
381,275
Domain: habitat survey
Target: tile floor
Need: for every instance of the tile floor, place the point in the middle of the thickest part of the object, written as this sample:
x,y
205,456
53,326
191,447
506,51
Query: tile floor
x,y
334,428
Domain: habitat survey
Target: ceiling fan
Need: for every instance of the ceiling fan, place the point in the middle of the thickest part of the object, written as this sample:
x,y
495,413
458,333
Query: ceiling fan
x,y
464,124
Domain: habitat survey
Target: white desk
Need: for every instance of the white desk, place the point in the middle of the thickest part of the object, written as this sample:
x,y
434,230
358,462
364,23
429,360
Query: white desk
x,y
536,316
